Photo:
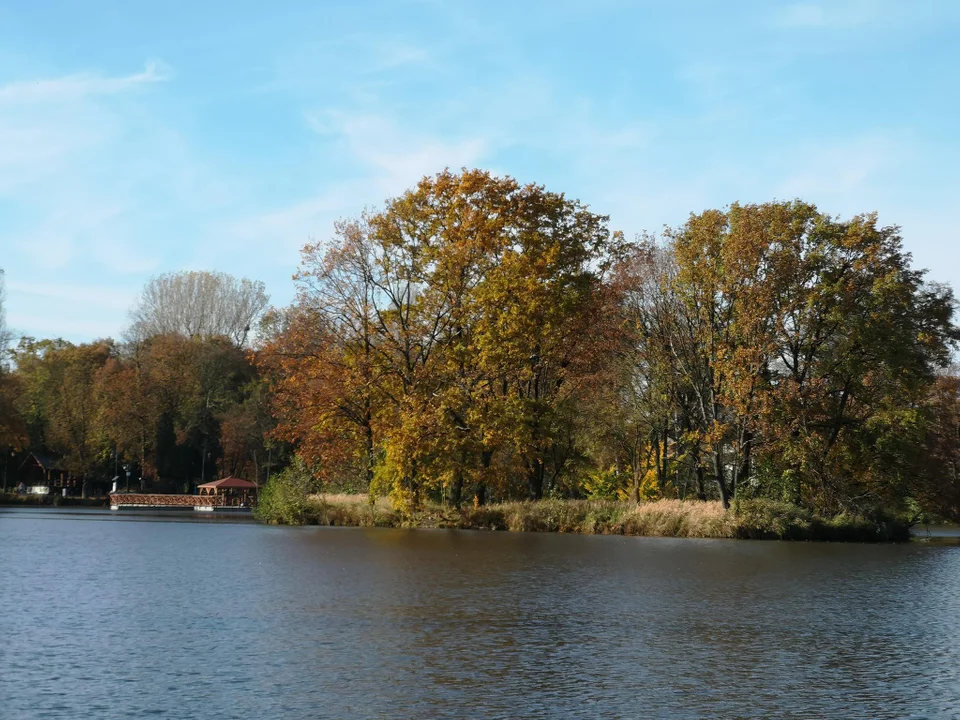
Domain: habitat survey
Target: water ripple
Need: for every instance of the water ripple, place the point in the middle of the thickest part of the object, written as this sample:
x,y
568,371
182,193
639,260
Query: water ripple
x,y
186,620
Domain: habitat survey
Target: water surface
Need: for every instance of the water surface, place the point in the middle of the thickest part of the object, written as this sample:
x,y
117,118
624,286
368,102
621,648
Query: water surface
x,y
106,617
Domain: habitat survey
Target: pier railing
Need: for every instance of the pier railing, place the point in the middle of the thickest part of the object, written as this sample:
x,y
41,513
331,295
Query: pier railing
x,y
160,500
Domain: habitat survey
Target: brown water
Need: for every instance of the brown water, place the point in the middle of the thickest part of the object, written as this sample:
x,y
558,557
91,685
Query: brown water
x,y
106,617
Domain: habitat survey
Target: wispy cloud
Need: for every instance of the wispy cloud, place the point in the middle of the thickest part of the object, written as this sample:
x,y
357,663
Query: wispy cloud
x,y
46,124
101,296
73,311
838,168
383,160
279,123
395,54
72,87
396,157
78,166
288,228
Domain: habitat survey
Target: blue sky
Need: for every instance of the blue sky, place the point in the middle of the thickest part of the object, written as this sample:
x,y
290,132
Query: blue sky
x,y
139,138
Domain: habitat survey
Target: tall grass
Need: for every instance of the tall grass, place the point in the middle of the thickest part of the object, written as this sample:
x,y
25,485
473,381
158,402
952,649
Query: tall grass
x,y
753,519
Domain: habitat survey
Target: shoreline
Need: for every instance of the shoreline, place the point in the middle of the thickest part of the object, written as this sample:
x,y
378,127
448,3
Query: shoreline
x,y
14,500
666,519
746,520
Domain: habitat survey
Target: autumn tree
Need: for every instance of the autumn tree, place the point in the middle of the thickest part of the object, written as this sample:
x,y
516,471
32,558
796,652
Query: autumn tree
x,y
446,332
59,399
639,422
13,431
813,343
183,409
12,428
935,480
717,268
859,339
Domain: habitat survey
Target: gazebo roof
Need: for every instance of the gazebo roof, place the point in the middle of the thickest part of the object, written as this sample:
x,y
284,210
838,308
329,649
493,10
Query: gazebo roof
x,y
228,482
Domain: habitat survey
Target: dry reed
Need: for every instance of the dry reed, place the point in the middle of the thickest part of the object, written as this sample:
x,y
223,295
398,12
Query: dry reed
x,y
754,519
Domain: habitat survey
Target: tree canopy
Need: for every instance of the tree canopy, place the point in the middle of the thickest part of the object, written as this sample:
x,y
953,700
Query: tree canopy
x,y
199,304
479,339
479,334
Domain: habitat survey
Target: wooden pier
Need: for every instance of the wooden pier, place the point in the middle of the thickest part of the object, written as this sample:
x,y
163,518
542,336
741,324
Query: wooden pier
x,y
197,503
226,494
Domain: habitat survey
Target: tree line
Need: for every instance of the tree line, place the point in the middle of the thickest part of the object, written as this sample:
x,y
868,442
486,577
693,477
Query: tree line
x,y
478,339
179,401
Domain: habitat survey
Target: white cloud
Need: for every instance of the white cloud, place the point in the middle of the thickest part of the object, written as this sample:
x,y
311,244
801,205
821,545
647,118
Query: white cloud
x,y
397,157
838,168
100,296
73,87
54,128
85,168
93,176
73,311
67,321
288,228
380,160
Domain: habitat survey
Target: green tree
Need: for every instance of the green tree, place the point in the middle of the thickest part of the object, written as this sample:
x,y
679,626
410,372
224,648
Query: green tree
x,y
815,345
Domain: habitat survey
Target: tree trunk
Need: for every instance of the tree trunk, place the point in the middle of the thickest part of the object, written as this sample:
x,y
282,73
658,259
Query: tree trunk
x,y
535,480
718,474
456,490
657,460
744,472
480,495
368,447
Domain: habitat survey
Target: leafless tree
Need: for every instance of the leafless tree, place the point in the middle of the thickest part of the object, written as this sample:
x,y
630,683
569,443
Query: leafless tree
x,y
5,334
198,304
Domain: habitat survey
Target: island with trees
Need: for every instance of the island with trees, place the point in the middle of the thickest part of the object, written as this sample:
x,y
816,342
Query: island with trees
x,y
485,354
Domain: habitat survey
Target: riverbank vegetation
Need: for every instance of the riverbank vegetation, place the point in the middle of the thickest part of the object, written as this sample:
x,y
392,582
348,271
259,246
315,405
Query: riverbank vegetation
x,y
490,354
746,519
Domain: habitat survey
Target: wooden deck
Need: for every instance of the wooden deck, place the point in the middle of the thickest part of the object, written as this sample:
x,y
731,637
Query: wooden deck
x,y
198,503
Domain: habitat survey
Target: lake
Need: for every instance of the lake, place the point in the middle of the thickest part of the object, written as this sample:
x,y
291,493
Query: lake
x,y
105,616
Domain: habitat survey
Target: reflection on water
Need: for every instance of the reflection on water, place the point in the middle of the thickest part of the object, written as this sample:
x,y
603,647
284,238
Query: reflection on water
x,y
201,620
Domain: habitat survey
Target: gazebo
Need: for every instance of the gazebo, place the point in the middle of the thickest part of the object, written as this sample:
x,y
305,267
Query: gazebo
x,y
231,491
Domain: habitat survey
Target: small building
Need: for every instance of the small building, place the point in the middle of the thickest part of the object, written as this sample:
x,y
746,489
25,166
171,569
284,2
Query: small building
x,y
230,492
42,474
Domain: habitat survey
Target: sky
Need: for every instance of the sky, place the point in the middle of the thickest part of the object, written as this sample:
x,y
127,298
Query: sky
x,y
144,138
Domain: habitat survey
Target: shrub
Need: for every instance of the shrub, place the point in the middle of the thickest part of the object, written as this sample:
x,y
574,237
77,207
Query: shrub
x,y
604,485
283,500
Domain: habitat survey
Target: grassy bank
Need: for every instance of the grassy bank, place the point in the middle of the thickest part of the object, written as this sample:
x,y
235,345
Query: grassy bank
x,y
12,499
755,519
